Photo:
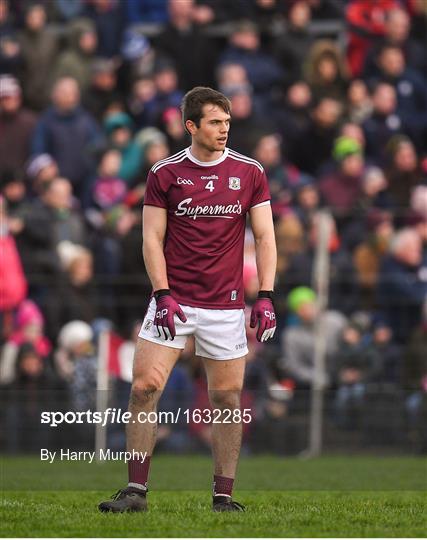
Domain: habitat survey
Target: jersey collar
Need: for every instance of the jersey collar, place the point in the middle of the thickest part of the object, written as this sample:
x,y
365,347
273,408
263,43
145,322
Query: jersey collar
x,y
206,163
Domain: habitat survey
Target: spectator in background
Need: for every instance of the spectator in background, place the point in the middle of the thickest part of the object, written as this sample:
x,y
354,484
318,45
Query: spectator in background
x,y
341,189
27,397
410,87
403,172
231,75
171,124
167,92
343,288
359,103
293,116
135,286
28,329
49,221
291,47
13,191
375,192
147,12
16,126
192,52
401,290
388,351
368,255
353,131
281,176
76,362
10,50
418,217
13,285
119,129
298,339
349,130
109,218
374,200
39,49
291,241
356,363
154,146
419,201
314,146
247,123
325,71
263,72
109,188
109,18
76,60
138,59
384,122
141,94
306,200
63,220
397,32
69,134
41,170
77,288
233,80
102,95
366,23
419,21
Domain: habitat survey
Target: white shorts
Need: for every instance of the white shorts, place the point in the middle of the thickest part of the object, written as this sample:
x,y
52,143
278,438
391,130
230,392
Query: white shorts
x,y
219,334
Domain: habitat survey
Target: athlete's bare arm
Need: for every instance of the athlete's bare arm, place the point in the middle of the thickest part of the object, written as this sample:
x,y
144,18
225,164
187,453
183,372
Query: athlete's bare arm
x,y
265,245
154,221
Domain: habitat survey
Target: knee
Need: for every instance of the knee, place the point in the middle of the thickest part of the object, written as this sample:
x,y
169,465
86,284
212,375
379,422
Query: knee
x,y
225,399
144,390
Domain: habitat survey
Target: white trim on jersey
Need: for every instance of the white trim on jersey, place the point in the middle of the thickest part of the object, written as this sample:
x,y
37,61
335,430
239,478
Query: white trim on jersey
x,y
176,158
206,163
245,159
265,203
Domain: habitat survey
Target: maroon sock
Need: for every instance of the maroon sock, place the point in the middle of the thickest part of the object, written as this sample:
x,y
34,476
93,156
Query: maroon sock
x,y
222,485
138,472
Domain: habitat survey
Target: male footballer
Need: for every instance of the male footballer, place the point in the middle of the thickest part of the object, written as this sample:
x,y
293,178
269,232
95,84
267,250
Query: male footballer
x,y
194,218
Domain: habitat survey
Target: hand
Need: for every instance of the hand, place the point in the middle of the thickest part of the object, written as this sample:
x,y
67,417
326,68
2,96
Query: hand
x,y
166,308
263,314
15,225
350,376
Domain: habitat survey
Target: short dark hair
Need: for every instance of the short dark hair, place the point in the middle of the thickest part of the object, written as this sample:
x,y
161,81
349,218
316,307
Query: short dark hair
x,y
194,100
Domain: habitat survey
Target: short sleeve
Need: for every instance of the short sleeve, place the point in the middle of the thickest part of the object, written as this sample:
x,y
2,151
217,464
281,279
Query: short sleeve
x,y
261,192
155,191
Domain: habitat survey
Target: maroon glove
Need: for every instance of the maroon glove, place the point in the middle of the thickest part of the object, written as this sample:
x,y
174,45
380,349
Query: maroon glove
x,y
166,308
263,314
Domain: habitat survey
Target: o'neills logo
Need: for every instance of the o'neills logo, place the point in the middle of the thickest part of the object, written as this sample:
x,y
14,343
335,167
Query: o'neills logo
x,y
217,210
211,177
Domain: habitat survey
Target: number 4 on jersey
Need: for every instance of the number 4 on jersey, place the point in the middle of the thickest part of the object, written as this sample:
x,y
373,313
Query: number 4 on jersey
x,y
210,186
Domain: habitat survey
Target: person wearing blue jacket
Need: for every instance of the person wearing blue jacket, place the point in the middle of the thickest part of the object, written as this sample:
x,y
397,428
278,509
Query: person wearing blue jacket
x,y
401,287
70,135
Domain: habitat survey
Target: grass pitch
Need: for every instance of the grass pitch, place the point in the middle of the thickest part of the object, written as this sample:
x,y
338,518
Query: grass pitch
x,y
330,496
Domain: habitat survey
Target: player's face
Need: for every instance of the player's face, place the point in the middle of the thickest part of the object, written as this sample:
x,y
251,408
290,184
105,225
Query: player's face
x,y
213,131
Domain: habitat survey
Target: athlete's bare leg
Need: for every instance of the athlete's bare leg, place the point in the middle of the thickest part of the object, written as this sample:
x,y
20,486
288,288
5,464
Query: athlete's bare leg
x,y
225,382
152,366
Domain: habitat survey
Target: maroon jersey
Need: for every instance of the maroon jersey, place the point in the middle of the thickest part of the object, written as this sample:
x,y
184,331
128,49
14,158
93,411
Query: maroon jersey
x,y
207,204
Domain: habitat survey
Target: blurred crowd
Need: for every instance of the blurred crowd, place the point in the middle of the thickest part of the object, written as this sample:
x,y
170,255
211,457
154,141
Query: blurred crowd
x,y
330,96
